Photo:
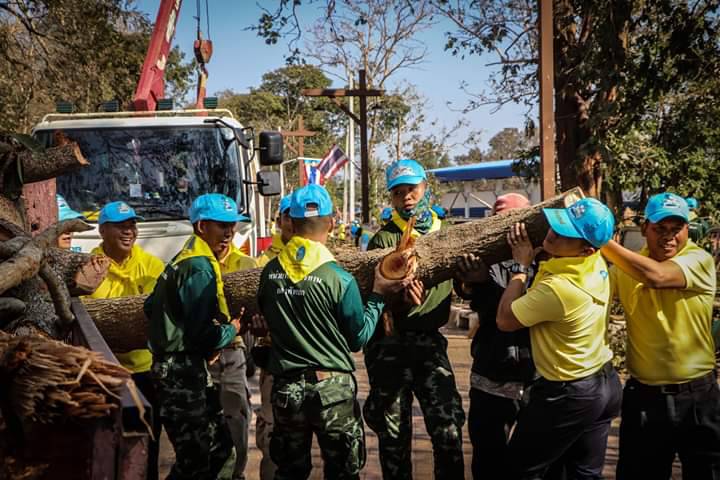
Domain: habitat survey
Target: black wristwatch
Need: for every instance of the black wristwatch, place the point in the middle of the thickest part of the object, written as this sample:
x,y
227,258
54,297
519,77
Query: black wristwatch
x,y
519,268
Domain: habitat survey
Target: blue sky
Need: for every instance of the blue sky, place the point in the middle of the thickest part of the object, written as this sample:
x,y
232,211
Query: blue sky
x,y
240,58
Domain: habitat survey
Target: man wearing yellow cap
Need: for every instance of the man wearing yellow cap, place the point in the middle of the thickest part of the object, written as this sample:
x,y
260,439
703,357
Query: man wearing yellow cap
x,y
188,321
132,271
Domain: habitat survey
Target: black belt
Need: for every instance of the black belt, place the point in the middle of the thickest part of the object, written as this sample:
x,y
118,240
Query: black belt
x,y
674,388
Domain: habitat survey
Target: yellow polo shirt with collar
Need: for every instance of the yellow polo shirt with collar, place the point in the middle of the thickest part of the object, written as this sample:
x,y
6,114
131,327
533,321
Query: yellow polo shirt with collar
x,y
566,309
235,260
669,331
136,275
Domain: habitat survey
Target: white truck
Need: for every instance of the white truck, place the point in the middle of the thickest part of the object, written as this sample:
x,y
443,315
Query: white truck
x,y
158,162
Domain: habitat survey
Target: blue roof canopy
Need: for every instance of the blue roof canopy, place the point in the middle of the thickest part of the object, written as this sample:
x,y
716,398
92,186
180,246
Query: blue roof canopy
x,y
476,171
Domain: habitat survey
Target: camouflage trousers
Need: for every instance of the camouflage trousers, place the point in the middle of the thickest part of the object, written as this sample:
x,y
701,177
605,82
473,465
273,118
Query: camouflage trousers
x,y
305,404
403,365
191,413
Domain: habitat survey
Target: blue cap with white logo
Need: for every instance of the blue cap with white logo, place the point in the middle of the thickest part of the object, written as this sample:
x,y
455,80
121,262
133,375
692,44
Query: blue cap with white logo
x,y
285,203
308,196
386,214
404,172
64,210
664,205
587,218
216,207
116,212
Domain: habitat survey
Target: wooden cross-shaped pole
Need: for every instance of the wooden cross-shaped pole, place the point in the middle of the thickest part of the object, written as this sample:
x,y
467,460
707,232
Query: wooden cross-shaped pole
x,y
299,148
362,93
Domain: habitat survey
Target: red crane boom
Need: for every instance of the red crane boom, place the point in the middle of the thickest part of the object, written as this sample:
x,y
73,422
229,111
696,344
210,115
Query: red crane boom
x,y
151,86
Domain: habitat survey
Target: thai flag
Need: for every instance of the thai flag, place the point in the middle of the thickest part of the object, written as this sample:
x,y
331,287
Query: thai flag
x,y
311,171
331,163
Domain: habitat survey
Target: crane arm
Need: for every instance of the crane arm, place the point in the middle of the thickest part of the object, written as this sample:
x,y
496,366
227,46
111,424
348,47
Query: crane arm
x,y
151,85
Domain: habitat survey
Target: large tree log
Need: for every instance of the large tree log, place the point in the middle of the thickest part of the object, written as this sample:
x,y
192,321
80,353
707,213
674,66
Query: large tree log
x,y
122,322
51,162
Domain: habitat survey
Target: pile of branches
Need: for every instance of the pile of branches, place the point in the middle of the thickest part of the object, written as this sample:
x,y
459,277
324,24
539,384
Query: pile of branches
x,y
33,270
44,380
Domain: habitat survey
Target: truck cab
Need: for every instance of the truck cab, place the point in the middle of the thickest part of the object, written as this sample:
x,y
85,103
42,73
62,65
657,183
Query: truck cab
x,y
158,162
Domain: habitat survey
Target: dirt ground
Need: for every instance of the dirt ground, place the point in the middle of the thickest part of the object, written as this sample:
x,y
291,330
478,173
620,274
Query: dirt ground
x,y
459,351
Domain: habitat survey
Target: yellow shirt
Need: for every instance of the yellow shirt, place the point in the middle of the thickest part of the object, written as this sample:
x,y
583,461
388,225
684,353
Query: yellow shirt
x,y
235,260
272,252
669,334
566,309
136,275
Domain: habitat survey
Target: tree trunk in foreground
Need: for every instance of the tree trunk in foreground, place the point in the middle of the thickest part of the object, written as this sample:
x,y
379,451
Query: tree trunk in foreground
x,y
122,321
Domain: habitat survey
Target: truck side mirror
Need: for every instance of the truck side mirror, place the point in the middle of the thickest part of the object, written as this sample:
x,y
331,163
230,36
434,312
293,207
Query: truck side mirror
x,y
271,148
268,183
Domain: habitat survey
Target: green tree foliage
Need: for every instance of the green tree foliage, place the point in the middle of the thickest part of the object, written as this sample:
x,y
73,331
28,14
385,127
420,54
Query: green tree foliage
x,y
84,51
622,68
278,103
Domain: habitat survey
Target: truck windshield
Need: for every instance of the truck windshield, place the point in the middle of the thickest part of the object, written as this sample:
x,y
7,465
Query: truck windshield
x,y
157,170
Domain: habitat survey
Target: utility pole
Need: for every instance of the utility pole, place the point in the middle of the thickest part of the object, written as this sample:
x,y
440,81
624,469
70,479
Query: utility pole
x,y
299,148
351,156
362,92
546,73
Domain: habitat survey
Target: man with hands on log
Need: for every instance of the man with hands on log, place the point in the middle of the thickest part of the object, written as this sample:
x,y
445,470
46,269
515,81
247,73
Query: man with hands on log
x,y
570,407
316,318
189,322
671,403
264,416
410,356
132,271
229,371
502,364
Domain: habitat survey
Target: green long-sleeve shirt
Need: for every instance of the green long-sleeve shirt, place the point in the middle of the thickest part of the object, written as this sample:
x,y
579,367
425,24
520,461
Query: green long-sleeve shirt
x,y
183,311
317,322
435,310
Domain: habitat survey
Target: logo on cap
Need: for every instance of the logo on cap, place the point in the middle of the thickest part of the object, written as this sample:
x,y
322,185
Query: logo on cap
x,y
226,205
671,202
577,211
123,208
300,254
401,172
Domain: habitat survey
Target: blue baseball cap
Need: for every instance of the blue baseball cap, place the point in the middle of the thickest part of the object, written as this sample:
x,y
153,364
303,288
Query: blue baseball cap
x,y
285,203
386,213
311,194
64,210
116,212
216,207
439,211
692,203
587,218
664,205
404,172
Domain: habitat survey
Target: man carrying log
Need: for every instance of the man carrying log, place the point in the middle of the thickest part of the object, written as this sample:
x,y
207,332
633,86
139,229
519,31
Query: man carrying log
x,y
502,364
316,319
571,405
410,357
264,415
132,271
671,403
229,372
189,321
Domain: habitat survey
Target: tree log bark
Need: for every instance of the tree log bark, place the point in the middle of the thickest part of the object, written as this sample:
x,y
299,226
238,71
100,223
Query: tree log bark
x,y
51,162
122,322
